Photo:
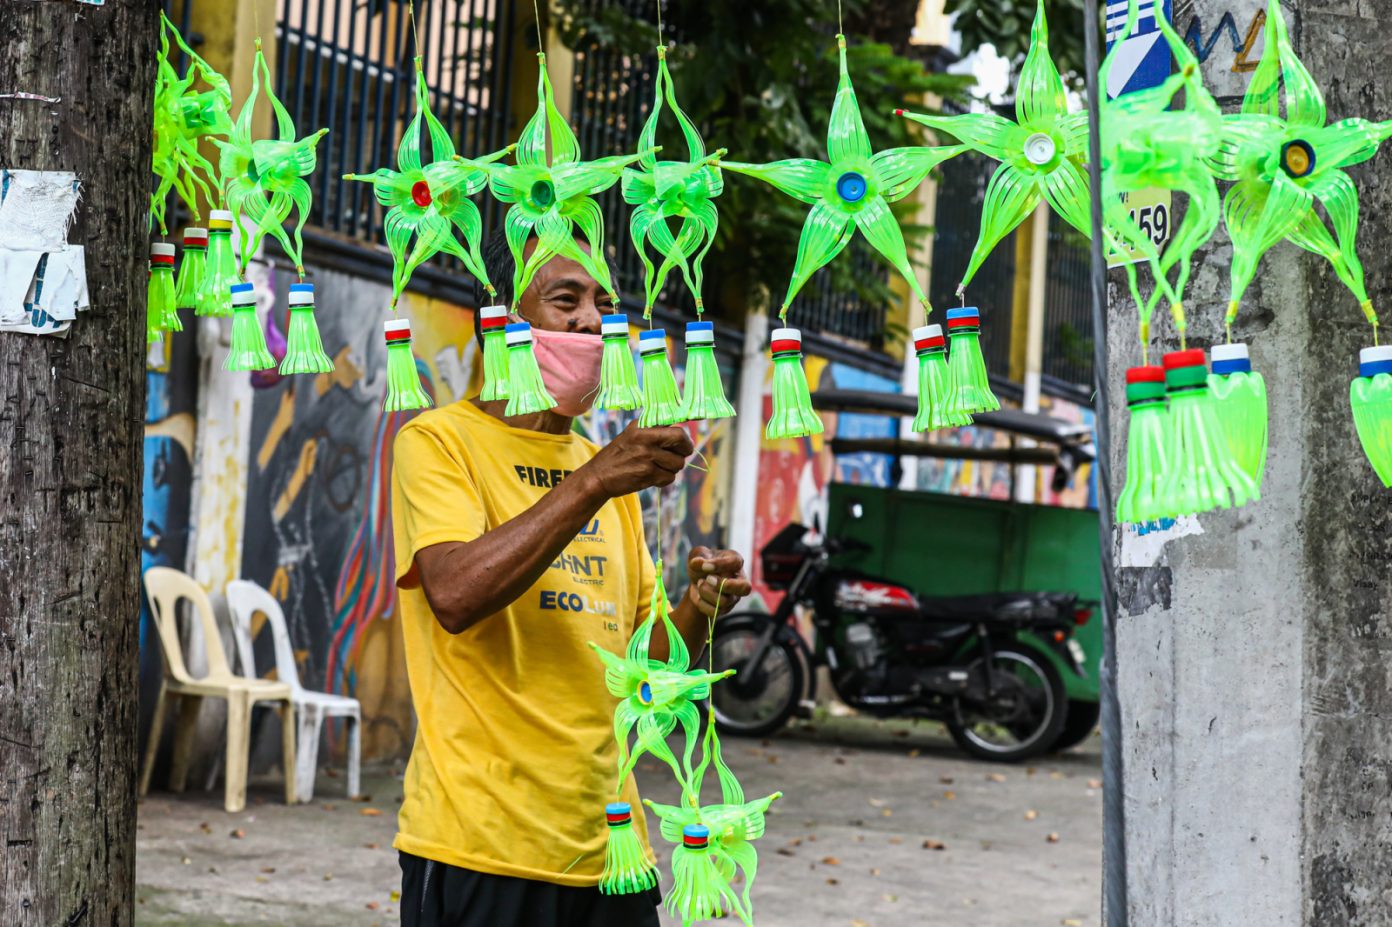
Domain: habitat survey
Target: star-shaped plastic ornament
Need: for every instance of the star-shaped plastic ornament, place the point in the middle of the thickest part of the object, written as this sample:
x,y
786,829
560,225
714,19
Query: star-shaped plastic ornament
x,y
184,116
851,190
676,190
264,178
553,198
1281,166
427,202
1042,153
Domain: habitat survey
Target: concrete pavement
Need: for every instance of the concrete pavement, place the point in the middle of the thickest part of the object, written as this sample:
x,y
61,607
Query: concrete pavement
x,y
881,825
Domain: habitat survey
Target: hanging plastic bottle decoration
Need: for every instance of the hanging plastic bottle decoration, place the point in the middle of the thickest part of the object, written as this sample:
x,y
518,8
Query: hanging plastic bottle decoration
x,y
792,416
191,268
1042,153
248,350
264,178
705,393
1281,166
852,190
553,198
618,378
627,869
493,321
969,388
161,315
214,296
1201,473
672,190
662,402
934,382
404,389
1371,397
699,891
304,352
1239,395
1147,447
428,202
183,117
527,391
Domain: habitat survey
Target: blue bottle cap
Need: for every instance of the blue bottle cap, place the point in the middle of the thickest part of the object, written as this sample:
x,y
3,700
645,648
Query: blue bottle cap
x,y
301,288
652,334
241,287
965,312
617,318
700,326
618,807
518,327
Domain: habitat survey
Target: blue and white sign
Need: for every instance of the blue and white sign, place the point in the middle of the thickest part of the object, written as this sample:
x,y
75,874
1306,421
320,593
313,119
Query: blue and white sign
x,y
1143,60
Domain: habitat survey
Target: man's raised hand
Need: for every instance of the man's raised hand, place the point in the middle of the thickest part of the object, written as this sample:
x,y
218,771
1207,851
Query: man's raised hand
x,y
637,459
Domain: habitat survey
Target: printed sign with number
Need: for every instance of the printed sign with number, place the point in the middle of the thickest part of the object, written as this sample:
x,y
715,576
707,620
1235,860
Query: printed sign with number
x,y
1150,210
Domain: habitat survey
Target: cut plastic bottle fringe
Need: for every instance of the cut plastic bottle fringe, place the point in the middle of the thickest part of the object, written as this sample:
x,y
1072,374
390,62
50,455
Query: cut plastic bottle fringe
x,y
161,315
699,891
627,870
404,390
1370,394
934,382
220,270
1239,396
705,391
1201,472
492,320
971,387
304,350
1147,446
662,402
248,350
618,377
792,415
191,268
527,391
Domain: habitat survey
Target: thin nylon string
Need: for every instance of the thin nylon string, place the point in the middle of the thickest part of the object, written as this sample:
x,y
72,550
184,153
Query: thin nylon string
x,y
840,29
415,31
541,45
659,22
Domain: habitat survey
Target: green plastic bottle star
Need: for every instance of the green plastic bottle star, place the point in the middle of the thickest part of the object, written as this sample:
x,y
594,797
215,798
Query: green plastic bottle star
x,y
851,190
183,116
428,202
1042,153
1147,145
663,190
552,198
656,696
1280,166
265,177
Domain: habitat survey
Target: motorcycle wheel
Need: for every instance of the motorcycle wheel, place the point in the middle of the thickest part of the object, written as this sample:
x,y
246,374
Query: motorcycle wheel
x,y
1082,721
1027,715
755,701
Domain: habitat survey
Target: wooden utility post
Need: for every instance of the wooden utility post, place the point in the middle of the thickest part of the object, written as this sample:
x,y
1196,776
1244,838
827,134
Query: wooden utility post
x,y
71,412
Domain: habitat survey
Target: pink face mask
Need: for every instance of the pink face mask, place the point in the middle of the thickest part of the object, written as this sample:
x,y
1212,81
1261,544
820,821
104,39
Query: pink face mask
x,y
569,364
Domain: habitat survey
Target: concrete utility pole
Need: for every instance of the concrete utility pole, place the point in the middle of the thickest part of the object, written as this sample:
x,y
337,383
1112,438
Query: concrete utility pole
x,y
1253,645
70,473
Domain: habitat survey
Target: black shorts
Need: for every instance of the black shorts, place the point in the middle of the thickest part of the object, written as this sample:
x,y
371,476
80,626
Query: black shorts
x,y
436,895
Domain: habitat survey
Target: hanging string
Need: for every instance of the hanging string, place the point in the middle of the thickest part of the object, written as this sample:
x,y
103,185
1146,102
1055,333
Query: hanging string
x,y
415,31
659,22
541,44
840,28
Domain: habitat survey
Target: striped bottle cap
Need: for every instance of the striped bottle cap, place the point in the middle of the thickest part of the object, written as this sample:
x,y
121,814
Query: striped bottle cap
x,y
1373,361
928,338
965,319
1230,358
493,318
615,324
161,254
785,341
220,220
1194,357
617,813
518,333
1186,370
243,294
301,294
396,331
700,333
195,237
1145,375
652,341
696,836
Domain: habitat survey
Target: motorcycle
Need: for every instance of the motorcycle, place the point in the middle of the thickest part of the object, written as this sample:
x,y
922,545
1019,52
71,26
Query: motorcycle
x,y
974,663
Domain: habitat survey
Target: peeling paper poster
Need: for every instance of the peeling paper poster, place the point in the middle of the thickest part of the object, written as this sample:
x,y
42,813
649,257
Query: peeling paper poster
x,y
43,279
36,208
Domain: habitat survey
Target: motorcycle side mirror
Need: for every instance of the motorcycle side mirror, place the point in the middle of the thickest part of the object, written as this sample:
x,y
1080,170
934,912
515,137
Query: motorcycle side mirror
x,y
816,523
856,510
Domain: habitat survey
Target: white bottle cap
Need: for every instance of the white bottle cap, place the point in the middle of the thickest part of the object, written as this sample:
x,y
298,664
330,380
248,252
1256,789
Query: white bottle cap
x,y
786,334
162,249
1373,355
220,215
493,312
1225,352
302,298
927,331
396,326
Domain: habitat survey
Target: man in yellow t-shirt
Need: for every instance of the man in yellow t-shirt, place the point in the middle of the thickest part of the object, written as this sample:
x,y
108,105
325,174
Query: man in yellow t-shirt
x,y
517,543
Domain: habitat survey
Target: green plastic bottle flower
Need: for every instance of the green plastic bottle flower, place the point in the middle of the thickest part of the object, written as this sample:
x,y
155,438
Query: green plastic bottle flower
x,y
655,696
851,190
663,190
1042,153
427,202
1281,166
265,177
552,198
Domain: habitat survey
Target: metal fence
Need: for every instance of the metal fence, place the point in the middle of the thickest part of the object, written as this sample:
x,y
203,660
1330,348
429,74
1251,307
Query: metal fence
x,y
349,66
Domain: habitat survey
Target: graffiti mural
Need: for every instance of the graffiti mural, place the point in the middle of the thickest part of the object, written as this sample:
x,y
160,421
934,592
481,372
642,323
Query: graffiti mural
x,y
1229,43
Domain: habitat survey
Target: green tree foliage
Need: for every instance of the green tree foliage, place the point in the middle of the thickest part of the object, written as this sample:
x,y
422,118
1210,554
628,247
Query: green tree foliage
x,y
1006,25
759,78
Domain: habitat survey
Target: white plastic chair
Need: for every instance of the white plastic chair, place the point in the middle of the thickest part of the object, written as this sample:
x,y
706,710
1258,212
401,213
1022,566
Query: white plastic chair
x,y
245,599
166,588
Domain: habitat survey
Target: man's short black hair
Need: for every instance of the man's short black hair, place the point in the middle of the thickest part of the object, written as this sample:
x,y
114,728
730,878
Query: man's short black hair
x,y
498,262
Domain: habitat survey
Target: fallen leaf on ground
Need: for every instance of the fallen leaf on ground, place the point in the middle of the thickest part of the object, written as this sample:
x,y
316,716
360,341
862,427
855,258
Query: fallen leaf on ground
x,y
950,796
830,861
395,895
772,758
206,827
362,798
901,733
1053,837
1055,775
185,860
369,812
1094,783
876,802
1031,814
268,869
934,845
373,906
896,840
890,898
784,851
262,879
996,777
860,923
237,834
328,877
874,872
833,881
840,761
370,846
1071,922
327,806
945,780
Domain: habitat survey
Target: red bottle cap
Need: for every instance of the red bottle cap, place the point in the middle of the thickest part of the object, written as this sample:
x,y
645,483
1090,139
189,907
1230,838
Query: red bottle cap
x,y
1194,357
1150,374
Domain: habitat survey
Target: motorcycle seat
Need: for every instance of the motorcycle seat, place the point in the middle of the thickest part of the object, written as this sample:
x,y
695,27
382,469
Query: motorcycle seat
x,y
1013,607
